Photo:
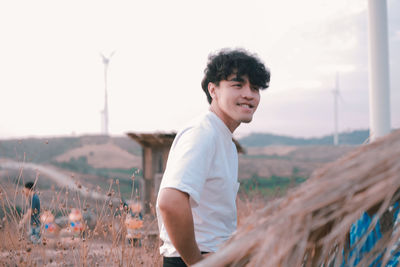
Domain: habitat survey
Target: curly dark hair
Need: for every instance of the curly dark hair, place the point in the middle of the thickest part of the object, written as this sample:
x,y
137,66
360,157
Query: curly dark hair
x,y
238,61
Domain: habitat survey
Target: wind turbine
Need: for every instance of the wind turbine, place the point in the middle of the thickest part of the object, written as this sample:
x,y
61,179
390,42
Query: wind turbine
x,y
104,112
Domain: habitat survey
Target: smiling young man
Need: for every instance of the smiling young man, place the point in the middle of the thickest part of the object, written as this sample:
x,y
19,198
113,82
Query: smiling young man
x,y
196,204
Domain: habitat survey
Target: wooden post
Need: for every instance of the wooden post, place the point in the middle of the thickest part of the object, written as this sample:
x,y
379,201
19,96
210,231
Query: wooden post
x,y
148,177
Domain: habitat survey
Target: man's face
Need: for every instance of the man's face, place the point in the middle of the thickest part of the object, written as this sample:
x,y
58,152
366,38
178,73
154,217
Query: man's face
x,y
235,100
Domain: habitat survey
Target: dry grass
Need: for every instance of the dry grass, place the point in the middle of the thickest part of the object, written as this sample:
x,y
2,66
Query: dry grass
x,y
101,243
310,226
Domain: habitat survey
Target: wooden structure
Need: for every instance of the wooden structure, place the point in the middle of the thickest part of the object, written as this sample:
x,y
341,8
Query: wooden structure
x,y
155,152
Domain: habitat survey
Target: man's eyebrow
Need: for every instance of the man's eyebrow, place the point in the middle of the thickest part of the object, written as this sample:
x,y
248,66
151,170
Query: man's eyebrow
x,y
236,79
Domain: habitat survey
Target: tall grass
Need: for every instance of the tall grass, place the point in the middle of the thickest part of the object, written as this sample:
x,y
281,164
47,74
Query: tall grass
x,y
102,241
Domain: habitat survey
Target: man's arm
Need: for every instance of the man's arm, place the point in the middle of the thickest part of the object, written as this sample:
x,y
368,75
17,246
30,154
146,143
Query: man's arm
x,y
176,212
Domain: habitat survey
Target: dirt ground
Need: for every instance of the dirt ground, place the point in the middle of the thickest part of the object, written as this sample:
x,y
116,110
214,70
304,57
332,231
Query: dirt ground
x,y
79,252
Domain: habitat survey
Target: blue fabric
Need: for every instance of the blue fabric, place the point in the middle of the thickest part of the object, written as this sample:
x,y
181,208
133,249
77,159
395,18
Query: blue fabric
x,y
359,250
35,207
358,231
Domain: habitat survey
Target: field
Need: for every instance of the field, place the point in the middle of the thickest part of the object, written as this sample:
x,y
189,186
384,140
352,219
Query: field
x,y
102,242
102,179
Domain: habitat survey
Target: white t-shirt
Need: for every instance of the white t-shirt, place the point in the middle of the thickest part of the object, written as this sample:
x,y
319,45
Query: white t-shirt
x,y
203,162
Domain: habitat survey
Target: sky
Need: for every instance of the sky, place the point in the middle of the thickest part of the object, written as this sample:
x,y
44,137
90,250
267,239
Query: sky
x,y
52,74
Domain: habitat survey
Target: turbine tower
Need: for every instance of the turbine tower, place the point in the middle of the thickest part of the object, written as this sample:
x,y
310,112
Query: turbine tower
x,y
104,112
335,111
379,89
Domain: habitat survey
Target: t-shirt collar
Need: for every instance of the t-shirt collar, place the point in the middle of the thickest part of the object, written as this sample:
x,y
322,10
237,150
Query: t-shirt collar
x,y
221,125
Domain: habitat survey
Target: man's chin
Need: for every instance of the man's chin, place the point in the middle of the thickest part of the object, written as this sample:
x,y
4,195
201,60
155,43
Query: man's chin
x,y
246,120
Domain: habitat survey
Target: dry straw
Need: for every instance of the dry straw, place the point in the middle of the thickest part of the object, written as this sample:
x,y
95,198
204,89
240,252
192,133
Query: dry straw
x,y
310,225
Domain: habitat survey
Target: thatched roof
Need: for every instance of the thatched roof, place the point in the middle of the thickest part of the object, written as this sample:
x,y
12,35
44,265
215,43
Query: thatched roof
x,y
164,140
153,139
310,225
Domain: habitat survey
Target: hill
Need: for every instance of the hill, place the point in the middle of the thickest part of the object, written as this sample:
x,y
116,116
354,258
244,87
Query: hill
x,y
357,137
42,150
107,155
287,161
94,160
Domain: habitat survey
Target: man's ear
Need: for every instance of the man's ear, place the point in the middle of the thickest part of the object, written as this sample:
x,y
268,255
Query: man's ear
x,y
211,90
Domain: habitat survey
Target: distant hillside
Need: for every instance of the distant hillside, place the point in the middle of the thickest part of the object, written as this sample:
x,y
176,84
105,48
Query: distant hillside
x,y
36,149
41,150
270,161
107,155
263,139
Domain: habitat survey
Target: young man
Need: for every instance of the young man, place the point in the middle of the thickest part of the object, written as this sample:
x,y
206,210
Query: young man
x,y
33,213
196,204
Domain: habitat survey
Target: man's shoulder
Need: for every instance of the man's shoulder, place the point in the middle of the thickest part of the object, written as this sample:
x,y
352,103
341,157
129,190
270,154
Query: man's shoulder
x,y
199,129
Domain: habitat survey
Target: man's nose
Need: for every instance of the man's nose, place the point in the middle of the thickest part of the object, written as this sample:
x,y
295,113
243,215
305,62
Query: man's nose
x,y
247,92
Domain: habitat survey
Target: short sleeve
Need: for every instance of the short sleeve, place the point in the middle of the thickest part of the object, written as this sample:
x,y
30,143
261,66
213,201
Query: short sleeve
x,y
189,162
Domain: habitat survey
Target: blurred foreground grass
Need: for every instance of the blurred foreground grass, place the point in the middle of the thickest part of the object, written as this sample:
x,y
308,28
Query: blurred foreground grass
x,y
102,242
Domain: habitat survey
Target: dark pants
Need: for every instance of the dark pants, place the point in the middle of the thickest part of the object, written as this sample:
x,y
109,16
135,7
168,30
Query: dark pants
x,y
175,261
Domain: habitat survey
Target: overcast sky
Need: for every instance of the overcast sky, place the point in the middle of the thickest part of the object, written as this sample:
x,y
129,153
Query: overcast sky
x,y
51,73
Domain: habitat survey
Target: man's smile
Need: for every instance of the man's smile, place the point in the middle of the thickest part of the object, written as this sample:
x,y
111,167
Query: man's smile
x,y
246,106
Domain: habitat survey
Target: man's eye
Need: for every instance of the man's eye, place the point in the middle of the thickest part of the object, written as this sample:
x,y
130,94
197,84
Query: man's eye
x,y
237,85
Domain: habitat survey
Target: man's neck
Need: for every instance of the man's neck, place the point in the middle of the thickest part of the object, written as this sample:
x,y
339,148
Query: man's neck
x,y
232,125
